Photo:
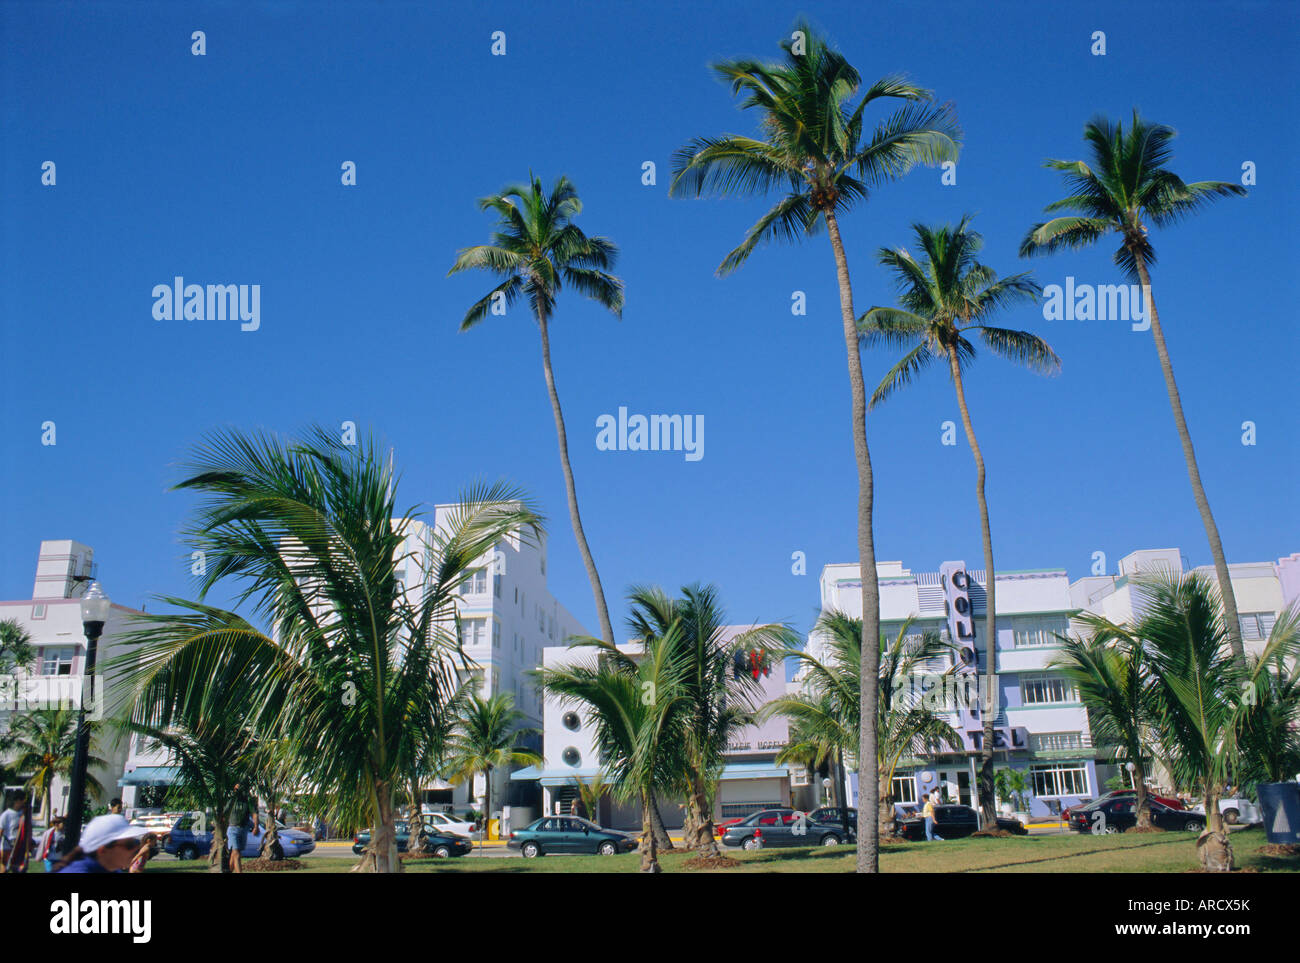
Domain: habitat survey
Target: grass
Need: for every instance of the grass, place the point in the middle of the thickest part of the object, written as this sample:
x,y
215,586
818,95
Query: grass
x,y
1066,853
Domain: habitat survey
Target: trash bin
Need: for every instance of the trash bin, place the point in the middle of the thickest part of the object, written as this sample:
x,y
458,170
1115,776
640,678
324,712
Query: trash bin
x,y
1279,803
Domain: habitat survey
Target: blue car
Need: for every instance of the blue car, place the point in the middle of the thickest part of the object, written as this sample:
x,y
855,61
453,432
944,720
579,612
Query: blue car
x,y
184,842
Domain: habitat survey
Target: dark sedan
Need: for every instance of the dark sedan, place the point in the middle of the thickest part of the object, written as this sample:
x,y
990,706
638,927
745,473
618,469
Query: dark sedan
x,y
1117,815
784,827
436,842
569,834
951,821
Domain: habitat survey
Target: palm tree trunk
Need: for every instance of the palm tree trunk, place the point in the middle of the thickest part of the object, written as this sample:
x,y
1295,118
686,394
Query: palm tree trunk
x,y
989,701
649,847
1214,846
885,808
602,611
705,841
662,841
1143,800
869,692
1193,472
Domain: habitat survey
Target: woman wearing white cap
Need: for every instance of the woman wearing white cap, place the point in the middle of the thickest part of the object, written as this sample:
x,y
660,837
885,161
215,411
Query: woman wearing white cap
x,y
108,844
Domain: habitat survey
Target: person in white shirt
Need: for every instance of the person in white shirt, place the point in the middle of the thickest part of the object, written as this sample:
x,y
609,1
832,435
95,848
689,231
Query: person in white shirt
x,y
11,825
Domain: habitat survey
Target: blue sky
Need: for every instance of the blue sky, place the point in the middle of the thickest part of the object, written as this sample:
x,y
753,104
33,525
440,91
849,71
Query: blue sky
x,y
226,169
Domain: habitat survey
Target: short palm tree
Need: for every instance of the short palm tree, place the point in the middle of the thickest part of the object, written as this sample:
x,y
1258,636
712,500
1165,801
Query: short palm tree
x,y
827,714
1270,727
359,671
1110,671
16,650
639,720
1196,689
720,700
1124,187
45,741
814,150
945,300
486,738
536,249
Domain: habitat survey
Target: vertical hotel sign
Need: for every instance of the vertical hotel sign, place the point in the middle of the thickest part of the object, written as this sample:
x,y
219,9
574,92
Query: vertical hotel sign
x,y
961,622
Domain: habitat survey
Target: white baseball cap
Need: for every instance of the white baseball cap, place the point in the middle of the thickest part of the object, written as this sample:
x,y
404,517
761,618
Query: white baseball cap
x,y
109,828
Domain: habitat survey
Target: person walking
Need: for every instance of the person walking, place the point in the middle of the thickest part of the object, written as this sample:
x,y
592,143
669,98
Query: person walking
x,y
51,843
16,834
108,844
928,813
147,851
237,831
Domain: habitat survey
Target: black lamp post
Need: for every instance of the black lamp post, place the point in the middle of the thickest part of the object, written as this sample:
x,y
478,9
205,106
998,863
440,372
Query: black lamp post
x,y
95,606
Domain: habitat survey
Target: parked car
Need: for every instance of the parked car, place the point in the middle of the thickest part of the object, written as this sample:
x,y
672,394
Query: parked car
x,y
184,842
1167,801
437,842
449,823
1119,814
831,815
784,827
951,821
1235,809
569,834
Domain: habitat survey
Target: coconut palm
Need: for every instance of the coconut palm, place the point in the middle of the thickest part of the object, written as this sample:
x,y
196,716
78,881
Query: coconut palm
x,y
1109,668
1124,187
639,720
358,673
536,249
721,700
945,301
1270,725
16,650
45,742
1196,689
811,150
826,716
485,738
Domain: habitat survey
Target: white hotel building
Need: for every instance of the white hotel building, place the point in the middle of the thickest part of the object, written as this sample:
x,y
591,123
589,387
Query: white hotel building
x,y
1041,725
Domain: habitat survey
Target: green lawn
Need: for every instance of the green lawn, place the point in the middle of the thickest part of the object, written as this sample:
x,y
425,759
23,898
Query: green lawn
x,y
1072,853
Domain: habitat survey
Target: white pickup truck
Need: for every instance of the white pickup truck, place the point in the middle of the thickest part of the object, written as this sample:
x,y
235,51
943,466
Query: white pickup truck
x,y
1235,809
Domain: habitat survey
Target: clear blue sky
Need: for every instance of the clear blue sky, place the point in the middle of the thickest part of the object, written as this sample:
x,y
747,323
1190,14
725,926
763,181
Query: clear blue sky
x,y
225,169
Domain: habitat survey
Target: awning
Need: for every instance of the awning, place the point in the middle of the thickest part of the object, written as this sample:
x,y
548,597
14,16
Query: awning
x,y
149,776
566,777
753,770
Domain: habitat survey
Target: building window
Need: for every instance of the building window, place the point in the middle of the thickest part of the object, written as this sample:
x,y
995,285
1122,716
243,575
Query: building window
x,y
1256,626
496,585
1066,780
1054,741
572,757
57,661
571,721
475,583
38,612
904,789
1028,633
1039,690
541,619
496,635
473,632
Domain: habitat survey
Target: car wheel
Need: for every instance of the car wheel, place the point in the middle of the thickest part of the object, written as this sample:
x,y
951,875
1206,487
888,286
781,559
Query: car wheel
x,y
1112,829
830,839
607,849
188,851
1231,817
531,850
442,852
751,843
1193,825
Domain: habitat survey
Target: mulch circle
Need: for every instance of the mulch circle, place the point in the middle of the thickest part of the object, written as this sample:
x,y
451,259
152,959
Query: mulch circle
x,y
893,840
993,834
260,865
712,862
1279,849
1202,869
1140,829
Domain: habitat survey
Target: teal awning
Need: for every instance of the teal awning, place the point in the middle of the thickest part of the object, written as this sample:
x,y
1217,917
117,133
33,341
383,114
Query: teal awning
x,y
149,776
753,770
565,777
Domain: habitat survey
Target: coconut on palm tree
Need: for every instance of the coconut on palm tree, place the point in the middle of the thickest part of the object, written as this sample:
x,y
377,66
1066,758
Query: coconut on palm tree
x,y
814,148
536,250
640,718
945,301
486,738
826,716
1110,670
1124,188
45,742
358,673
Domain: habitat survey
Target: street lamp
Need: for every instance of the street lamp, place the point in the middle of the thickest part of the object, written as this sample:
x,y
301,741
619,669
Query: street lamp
x,y
1132,781
95,606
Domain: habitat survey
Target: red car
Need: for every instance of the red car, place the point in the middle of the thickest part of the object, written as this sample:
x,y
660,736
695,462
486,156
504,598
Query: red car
x,y
1120,794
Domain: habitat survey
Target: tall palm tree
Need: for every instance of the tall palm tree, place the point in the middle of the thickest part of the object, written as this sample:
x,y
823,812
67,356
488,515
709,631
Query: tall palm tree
x,y
944,300
536,249
1126,186
639,720
1196,691
45,741
1109,668
827,715
720,701
359,671
811,149
485,738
